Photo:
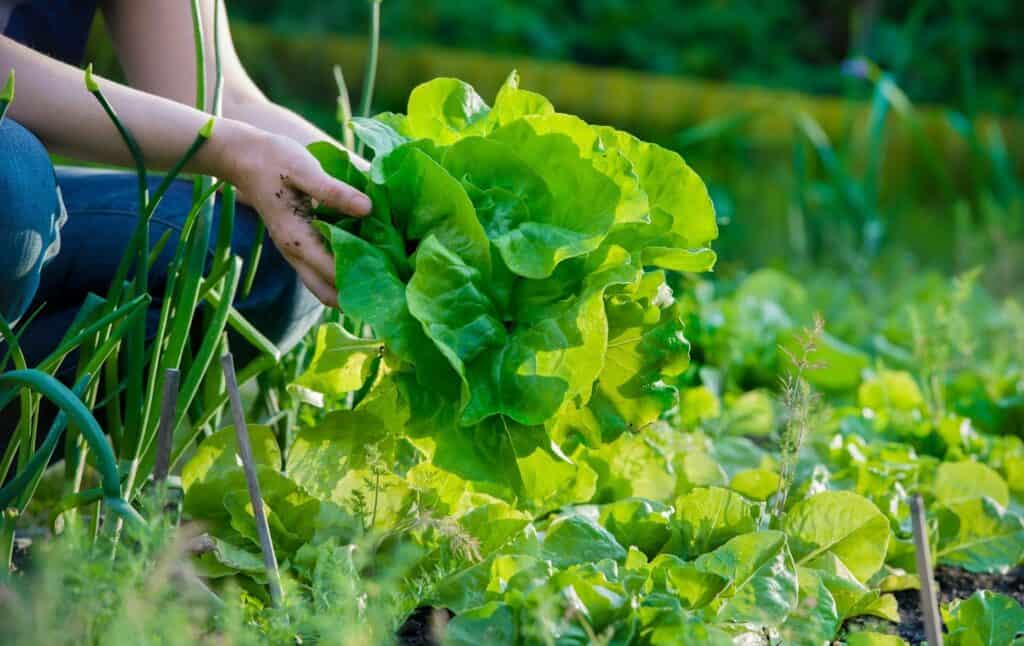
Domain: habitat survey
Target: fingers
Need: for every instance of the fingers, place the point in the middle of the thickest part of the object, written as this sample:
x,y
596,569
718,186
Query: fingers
x,y
307,248
359,162
326,190
324,292
303,249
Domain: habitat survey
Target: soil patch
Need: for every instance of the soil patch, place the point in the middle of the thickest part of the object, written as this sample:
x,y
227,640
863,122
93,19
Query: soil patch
x,y
424,627
954,584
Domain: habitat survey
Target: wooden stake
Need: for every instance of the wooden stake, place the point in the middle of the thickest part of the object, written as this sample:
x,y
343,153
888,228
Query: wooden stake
x,y
165,432
248,464
929,589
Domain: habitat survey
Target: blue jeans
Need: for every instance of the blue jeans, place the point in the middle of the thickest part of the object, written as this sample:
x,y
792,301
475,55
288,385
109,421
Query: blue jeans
x,y
52,256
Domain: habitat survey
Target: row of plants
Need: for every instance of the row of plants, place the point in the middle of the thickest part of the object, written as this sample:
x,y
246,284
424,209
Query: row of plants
x,y
674,532
672,499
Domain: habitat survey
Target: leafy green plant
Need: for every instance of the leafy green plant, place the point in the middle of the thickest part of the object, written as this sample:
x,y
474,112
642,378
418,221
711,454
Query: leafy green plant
x,y
985,619
509,247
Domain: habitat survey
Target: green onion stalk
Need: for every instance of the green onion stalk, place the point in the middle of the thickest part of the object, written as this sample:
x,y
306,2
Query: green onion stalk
x,y
6,95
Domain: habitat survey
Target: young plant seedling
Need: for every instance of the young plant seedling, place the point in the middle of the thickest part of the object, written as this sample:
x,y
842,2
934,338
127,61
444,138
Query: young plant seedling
x,y
801,402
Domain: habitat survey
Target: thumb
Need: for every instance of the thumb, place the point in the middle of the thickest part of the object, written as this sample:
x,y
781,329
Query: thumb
x,y
328,191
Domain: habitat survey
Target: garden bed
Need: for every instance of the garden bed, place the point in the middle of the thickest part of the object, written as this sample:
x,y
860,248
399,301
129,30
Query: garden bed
x,y
954,584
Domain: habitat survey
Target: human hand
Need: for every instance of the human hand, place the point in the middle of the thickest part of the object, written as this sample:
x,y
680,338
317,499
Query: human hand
x,y
281,180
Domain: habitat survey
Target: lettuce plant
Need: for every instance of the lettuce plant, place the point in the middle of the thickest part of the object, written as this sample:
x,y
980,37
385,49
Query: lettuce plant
x,y
513,269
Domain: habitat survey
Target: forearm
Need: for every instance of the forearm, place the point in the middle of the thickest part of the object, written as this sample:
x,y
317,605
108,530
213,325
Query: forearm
x,y
252,108
53,103
261,113
142,27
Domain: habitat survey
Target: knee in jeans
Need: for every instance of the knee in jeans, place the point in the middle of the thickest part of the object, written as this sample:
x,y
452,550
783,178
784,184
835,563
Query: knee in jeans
x,y
29,214
28,189
27,184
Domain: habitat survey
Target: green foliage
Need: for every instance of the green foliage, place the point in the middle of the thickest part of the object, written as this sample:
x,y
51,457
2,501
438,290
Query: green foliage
x,y
866,638
840,524
708,517
528,438
980,536
644,536
508,247
985,619
776,43
761,586
341,364
6,95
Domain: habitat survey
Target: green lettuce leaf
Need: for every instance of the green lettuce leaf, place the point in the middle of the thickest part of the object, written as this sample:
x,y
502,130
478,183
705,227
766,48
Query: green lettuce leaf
x,y
215,470
513,462
444,110
980,536
337,457
840,523
665,627
534,217
540,366
574,538
341,363
816,619
637,522
681,209
492,525
425,200
491,623
761,576
634,206
646,352
756,484
293,516
378,135
382,303
630,467
677,259
852,598
960,481
514,102
695,588
593,590
868,638
985,619
226,559
708,517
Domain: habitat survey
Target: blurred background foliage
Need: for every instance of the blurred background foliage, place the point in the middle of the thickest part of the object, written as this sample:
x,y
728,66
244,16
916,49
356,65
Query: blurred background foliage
x,y
965,52
909,161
